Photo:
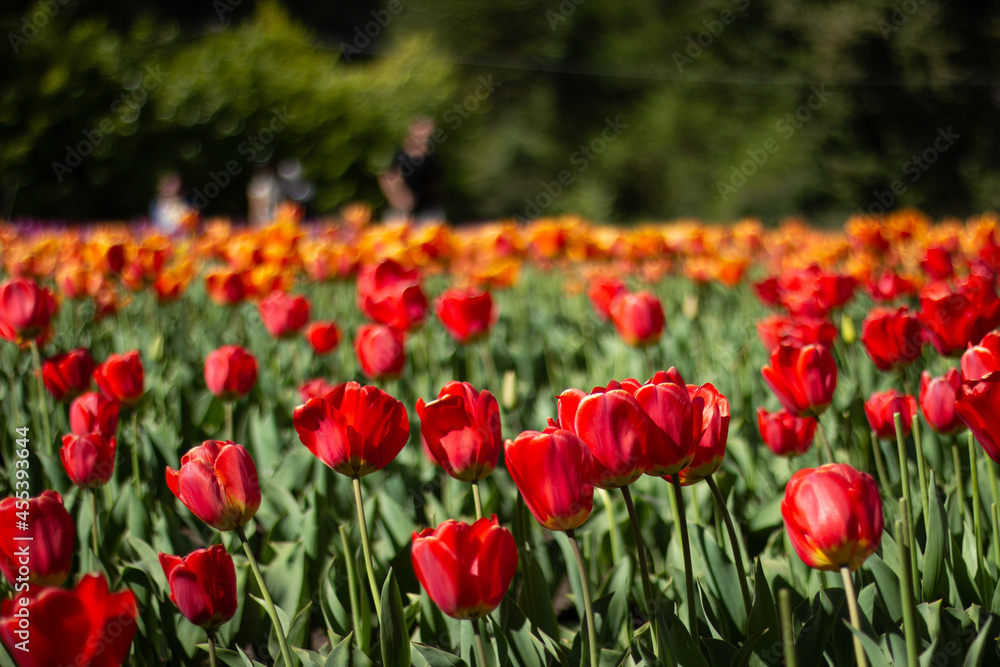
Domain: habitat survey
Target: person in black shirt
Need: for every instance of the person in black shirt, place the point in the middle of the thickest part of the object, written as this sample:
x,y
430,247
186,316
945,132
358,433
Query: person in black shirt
x,y
412,184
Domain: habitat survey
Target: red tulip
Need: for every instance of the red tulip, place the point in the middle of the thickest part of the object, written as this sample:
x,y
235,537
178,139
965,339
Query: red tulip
x,y
710,421
883,405
227,287
230,372
978,405
466,314
936,263
638,318
833,516
937,401
391,295
774,330
120,377
465,569
602,291
202,585
665,398
784,433
89,459
315,388
462,430
93,412
26,310
284,315
554,471
890,285
355,430
50,549
218,483
323,336
982,358
380,350
955,318
67,374
618,432
803,379
87,626
892,338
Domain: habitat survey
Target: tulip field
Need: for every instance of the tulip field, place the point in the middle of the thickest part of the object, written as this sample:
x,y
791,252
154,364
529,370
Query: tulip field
x,y
560,443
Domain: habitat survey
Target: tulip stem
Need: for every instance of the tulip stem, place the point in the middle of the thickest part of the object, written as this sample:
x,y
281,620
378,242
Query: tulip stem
x,y
212,660
647,587
909,608
852,606
271,611
365,546
904,478
996,535
956,456
135,455
787,629
825,443
352,588
36,359
489,367
977,521
734,542
616,548
921,466
595,656
93,526
480,646
883,471
677,504
992,470
228,407
477,498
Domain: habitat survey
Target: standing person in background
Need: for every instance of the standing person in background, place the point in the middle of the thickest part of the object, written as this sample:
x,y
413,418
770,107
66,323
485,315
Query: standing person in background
x,y
263,194
412,183
169,208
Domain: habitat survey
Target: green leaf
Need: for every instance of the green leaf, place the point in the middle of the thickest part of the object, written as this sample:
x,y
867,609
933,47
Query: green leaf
x,y
296,634
888,585
763,613
875,655
395,638
535,598
936,544
977,651
437,658
341,654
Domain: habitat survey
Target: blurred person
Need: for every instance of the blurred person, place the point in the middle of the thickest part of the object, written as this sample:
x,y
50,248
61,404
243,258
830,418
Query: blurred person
x,y
263,194
412,183
169,208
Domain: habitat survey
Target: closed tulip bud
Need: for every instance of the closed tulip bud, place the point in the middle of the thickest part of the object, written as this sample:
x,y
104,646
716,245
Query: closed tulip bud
x,y
67,375
784,433
380,350
668,404
230,372
978,360
465,569
218,482
554,471
51,537
120,377
202,585
833,516
462,430
391,295
881,407
803,379
89,459
638,318
710,425
937,401
466,314
26,310
978,405
94,412
284,315
892,338
355,430
87,626
323,336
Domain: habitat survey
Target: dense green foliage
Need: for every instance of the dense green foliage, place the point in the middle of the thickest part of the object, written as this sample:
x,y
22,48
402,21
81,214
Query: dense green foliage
x,y
702,92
